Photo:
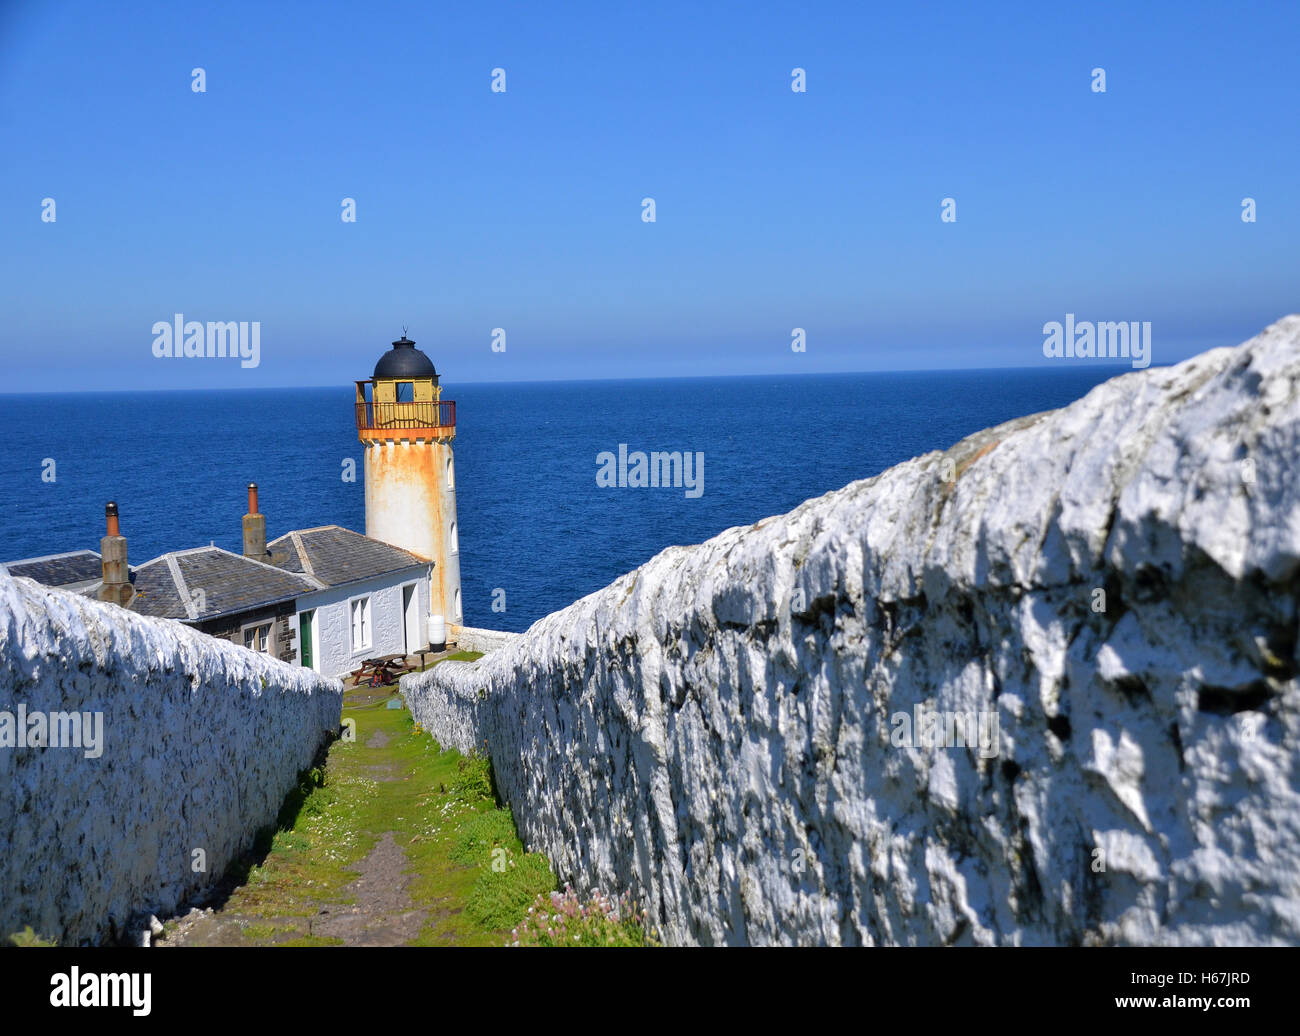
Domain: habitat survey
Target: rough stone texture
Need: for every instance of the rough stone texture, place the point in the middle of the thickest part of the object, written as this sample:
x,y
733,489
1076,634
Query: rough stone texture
x,y
471,638
202,740
715,729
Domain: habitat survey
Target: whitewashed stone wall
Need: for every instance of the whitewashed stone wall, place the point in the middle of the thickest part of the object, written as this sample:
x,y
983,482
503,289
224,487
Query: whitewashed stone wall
x,y
201,742
719,730
472,638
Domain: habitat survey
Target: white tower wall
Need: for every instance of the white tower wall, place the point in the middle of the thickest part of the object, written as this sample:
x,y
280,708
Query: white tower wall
x,y
411,503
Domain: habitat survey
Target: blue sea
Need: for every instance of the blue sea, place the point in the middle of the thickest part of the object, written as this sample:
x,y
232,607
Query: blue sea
x,y
533,521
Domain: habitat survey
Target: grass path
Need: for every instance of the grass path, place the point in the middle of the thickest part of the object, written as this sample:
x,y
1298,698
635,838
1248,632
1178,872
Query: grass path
x,y
392,842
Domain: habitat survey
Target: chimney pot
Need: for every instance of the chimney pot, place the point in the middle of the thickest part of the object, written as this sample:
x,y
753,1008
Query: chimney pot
x,y
254,528
115,585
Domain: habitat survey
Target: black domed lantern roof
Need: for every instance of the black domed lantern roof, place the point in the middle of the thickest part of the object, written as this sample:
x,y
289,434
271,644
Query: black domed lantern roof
x,y
404,360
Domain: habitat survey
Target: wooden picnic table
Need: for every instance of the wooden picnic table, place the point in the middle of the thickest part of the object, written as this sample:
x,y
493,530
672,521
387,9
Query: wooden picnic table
x,y
379,671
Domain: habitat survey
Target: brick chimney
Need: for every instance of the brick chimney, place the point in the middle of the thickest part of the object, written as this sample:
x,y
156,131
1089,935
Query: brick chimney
x,y
254,528
117,586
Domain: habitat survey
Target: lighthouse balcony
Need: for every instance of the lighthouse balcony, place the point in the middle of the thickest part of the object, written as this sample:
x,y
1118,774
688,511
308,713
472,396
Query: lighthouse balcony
x,y
427,420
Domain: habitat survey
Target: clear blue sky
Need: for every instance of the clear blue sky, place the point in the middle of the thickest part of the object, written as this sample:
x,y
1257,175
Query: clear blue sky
x,y
522,210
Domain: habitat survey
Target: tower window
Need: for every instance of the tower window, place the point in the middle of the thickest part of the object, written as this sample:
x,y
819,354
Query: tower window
x,y
451,474
455,544
405,391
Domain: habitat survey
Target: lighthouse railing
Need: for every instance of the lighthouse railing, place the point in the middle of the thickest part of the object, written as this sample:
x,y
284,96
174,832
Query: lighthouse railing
x,y
371,415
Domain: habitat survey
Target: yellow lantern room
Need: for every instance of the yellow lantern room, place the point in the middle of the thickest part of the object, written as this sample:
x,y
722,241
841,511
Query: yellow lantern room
x,y
404,393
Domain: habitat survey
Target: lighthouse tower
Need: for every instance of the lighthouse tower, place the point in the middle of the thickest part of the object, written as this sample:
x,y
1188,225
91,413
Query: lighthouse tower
x,y
407,430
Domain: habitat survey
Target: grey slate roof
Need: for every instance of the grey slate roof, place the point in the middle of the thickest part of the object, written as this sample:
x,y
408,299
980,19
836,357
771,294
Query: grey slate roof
x,y
230,583
156,592
164,587
73,570
335,555
300,562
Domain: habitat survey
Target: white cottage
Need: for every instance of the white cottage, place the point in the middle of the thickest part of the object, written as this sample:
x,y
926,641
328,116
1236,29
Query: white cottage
x,y
372,598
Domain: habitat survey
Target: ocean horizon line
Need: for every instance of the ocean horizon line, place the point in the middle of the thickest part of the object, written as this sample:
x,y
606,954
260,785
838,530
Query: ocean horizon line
x,y
1115,369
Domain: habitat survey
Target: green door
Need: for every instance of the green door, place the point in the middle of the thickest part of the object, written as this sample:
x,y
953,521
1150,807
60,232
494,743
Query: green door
x,y
304,637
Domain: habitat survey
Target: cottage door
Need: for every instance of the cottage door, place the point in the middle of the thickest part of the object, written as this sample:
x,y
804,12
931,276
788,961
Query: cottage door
x,y
304,637
411,618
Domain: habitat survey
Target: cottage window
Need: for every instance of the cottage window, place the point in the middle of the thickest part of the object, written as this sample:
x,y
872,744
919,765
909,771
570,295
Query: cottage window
x,y
361,624
256,637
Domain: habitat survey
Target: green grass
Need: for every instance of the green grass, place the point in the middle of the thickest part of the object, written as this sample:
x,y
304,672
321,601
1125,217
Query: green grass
x,y
505,887
263,932
311,940
564,919
473,783
468,868
480,833
28,937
